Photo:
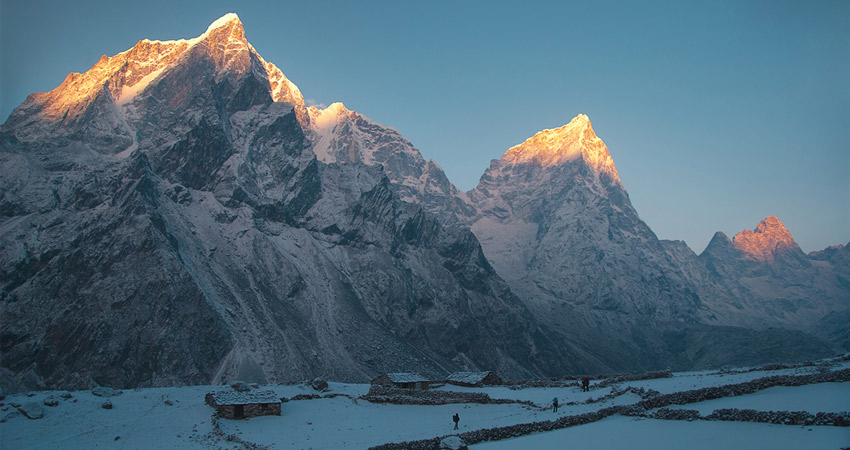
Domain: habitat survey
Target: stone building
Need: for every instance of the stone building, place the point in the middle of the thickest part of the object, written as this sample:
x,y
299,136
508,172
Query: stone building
x,y
474,379
402,380
240,405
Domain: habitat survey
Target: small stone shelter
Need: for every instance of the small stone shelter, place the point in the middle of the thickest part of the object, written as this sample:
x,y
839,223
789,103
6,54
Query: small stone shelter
x,y
241,405
474,379
402,380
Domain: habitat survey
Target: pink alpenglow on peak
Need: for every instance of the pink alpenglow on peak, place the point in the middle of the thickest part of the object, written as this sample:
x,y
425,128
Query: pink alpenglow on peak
x,y
763,243
567,143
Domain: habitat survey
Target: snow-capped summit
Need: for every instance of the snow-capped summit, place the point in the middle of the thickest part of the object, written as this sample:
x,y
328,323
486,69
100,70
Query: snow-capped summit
x,y
114,83
567,143
557,224
769,238
324,123
227,20
339,134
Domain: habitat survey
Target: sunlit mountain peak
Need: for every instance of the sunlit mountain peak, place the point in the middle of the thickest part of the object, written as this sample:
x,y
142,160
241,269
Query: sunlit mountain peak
x,y
564,144
763,243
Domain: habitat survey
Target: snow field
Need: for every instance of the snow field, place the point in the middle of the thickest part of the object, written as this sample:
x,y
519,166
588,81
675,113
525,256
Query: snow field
x,y
813,398
620,432
178,418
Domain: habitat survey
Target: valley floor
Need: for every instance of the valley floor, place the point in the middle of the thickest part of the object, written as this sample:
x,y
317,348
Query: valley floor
x,y
178,417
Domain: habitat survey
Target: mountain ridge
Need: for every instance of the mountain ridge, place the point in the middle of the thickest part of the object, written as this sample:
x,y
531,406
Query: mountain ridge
x,y
296,245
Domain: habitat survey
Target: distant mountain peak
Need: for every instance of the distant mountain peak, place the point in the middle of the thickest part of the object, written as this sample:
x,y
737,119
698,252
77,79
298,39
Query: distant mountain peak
x,y
338,133
226,29
565,144
765,241
227,20
330,112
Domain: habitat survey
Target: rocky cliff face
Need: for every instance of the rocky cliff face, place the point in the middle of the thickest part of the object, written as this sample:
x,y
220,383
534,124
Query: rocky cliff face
x,y
171,223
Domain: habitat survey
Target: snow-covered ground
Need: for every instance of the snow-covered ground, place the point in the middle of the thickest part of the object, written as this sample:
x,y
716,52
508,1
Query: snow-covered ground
x,y
823,397
638,434
178,418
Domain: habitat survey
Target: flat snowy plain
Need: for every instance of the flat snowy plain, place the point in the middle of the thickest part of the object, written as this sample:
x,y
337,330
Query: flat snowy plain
x,y
158,418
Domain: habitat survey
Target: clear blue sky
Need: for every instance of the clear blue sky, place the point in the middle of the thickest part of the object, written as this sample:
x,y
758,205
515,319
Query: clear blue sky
x,y
717,113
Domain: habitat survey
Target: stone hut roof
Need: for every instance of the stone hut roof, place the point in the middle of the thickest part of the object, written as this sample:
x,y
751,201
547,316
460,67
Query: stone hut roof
x,y
244,398
468,377
405,377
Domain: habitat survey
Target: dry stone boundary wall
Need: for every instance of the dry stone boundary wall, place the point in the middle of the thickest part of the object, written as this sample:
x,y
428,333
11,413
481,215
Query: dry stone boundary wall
x,y
641,409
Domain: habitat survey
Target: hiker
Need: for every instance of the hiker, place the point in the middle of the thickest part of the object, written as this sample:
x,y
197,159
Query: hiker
x,y
585,384
456,418
555,404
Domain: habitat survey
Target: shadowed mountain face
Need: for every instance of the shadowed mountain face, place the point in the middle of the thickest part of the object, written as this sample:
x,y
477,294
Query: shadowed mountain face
x,y
177,215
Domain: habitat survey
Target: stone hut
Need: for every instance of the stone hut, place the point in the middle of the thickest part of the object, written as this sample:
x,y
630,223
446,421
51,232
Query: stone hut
x,y
241,405
402,381
474,379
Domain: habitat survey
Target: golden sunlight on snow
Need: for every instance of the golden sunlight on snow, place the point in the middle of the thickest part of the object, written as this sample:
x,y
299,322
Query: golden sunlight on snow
x,y
567,143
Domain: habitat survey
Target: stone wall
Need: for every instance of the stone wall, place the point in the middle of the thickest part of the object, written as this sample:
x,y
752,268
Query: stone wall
x,y
380,394
249,410
659,401
731,390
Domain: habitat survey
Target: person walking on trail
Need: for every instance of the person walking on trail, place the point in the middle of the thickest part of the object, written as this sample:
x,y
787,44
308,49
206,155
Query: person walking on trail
x,y
456,418
555,404
585,384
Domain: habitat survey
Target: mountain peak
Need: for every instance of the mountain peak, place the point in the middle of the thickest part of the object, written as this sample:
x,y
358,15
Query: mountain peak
x,y
125,76
765,241
328,117
329,112
564,144
227,20
226,28
771,224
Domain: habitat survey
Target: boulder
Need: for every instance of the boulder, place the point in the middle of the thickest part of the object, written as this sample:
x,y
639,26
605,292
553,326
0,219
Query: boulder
x,y
319,384
453,443
103,391
32,410
10,415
